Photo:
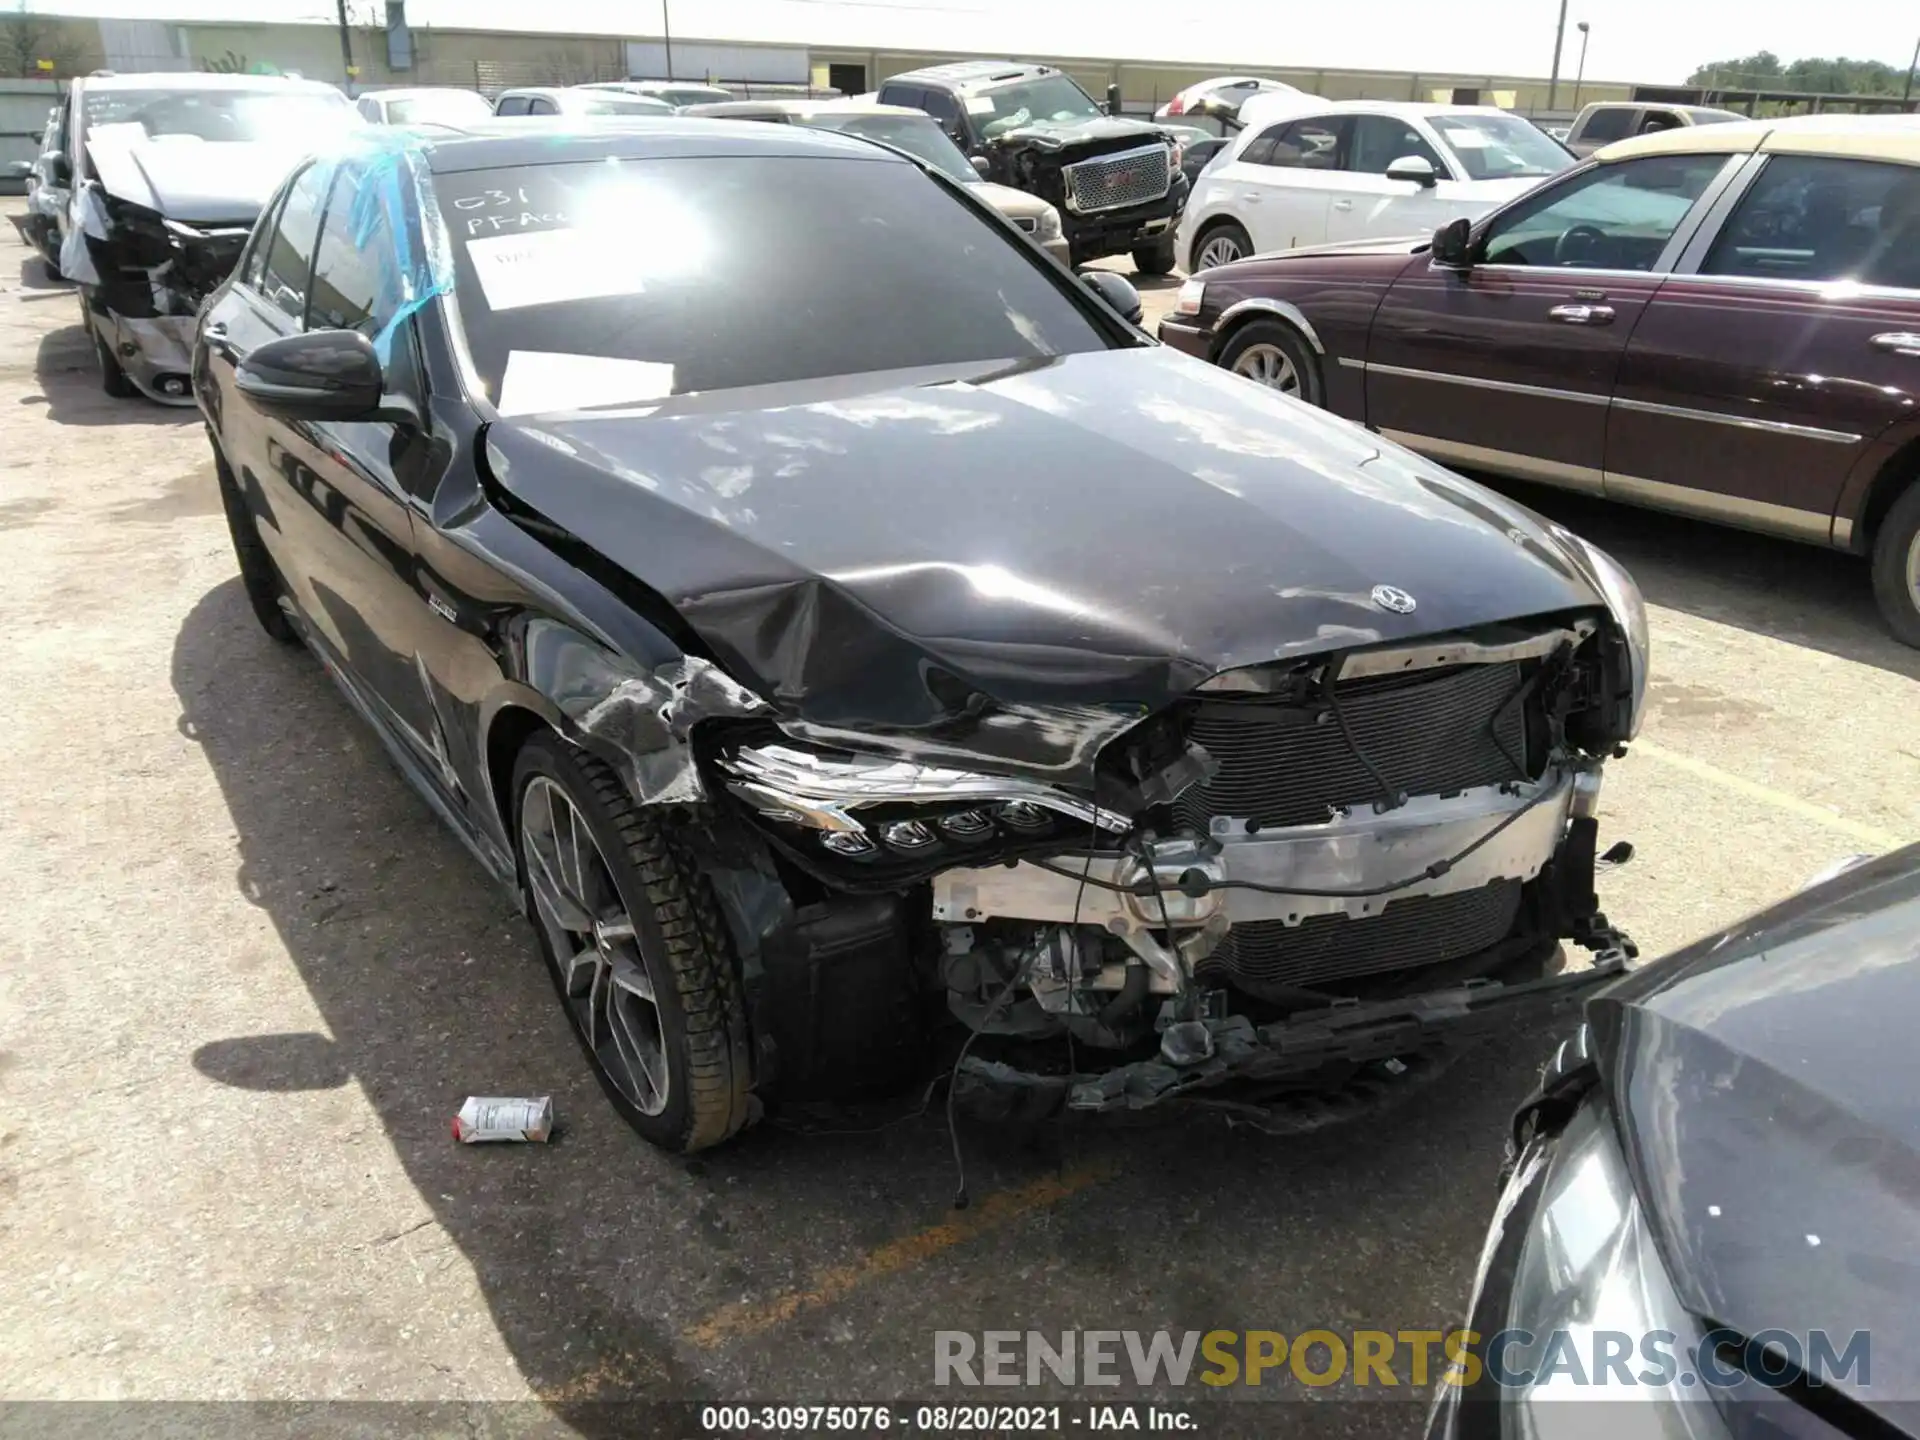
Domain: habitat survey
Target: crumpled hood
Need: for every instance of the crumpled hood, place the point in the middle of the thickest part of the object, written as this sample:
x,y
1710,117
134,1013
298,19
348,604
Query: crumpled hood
x,y
1057,134
1096,533
1767,1087
201,182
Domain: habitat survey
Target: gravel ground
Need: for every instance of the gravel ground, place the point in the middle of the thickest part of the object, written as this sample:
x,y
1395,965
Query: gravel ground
x,y
246,979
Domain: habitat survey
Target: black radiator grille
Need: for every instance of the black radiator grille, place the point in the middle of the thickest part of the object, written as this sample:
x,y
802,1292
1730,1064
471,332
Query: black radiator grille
x,y
1428,735
1266,957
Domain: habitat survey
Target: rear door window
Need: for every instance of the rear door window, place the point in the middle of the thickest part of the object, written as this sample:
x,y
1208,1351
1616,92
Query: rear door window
x,y
512,105
1811,218
540,105
289,267
1316,144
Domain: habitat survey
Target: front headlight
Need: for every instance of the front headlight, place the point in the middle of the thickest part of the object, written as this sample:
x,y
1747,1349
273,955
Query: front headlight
x,y
1188,301
1588,1283
1623,598
860,806
1048,227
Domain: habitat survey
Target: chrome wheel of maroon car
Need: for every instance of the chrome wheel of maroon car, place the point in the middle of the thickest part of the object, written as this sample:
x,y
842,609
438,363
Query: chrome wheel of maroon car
x,y
593,941
1269,365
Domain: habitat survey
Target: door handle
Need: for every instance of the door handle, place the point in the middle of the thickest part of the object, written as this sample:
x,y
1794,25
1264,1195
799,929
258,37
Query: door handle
x,y
1901,342
1251,197
1582,314
1343,205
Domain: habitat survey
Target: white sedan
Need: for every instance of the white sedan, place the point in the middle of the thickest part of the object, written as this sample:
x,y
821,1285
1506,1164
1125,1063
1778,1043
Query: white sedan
x,y
1310,172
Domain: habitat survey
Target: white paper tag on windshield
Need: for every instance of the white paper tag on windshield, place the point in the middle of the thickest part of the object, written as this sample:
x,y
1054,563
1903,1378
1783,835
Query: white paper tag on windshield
x,y
549,267
1467,139
979,104
541,380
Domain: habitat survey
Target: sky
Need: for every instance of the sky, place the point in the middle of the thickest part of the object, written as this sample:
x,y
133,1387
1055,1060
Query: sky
x,y
1653,41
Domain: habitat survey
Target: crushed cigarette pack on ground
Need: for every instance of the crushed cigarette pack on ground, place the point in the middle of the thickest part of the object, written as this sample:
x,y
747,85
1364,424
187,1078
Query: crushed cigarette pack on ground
x,y
504,1117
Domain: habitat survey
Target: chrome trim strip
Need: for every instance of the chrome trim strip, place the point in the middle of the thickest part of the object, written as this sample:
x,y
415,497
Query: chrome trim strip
x,y
1292,314
1732,190
1843,533
1583,478
1507,387
819,792
1739,422
1782,520
1353,364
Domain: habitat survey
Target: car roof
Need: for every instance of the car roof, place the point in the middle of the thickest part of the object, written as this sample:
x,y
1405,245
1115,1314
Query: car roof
x,y
399,92
1853,137
505,143
1281,105
201,80
1655,105
963,74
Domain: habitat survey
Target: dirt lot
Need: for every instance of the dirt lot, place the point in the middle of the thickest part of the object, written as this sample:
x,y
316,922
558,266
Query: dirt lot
x,y
246,980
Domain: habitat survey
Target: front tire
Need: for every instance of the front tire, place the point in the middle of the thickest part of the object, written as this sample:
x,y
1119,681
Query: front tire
x,y
1221,243
1896,567
113,379
257,571
1155,259
636,947
1272,353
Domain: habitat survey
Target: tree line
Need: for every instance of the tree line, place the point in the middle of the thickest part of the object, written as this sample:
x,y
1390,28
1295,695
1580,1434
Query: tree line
x,y
1764,71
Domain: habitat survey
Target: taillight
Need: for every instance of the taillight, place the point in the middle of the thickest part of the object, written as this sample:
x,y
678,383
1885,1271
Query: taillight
x,y
1177,105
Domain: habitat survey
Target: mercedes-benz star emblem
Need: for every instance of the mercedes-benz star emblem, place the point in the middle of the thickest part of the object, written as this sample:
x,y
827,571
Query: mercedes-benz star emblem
x,y
1391,597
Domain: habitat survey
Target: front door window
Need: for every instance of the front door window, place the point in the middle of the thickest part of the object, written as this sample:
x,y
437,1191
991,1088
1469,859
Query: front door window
x,y
1615,217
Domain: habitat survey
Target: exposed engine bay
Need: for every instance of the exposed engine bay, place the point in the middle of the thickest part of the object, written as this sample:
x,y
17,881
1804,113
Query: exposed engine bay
x,y
1318,860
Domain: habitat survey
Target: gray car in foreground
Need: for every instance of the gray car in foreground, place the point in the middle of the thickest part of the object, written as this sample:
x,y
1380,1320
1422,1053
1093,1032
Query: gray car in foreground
x,y
1714,1208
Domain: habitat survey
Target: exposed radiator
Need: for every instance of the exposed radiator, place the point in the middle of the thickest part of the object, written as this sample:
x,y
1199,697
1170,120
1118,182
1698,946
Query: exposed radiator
x,y
1428,735
1432,733
1268,957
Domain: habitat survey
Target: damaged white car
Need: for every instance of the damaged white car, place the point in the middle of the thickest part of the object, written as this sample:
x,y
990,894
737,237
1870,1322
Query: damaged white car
x,y
168,173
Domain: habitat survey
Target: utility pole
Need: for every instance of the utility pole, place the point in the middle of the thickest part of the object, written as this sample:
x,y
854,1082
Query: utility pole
x,y
1907,98
1559,37
1580,78
666,28
346,43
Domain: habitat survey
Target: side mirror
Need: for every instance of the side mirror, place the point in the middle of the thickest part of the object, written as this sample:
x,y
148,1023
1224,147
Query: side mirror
x,y
1113,99
1416,169
982,166
318,375
1453,245
1117,291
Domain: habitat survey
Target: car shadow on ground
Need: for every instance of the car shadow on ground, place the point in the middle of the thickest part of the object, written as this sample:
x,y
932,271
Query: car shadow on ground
x,y
615,1273
69,377
35,276
1803,594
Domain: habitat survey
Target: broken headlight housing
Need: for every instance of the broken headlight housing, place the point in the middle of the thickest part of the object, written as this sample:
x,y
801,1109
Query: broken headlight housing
x,y
1629,609
872,807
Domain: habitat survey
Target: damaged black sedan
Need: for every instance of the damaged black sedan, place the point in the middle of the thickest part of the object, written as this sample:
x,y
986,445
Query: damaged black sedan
x,y
867,650
166,175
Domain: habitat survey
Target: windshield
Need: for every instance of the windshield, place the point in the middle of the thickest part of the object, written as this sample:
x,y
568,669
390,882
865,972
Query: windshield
x,y
1050,97
449,105
620,282
1501,147
219,115
918,135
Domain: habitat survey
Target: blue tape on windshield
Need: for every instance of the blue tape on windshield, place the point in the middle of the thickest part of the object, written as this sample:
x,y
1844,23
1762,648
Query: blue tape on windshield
x,y
389,169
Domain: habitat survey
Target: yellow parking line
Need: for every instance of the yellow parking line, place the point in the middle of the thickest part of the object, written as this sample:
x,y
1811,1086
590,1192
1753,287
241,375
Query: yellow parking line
x,y
732,1322
1767,795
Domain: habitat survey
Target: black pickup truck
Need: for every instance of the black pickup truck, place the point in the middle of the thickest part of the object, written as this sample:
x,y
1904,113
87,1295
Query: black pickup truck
x,y
1116,182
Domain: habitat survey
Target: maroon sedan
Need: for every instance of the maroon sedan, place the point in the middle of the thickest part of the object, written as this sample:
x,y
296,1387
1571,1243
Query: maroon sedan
x,y
1722,322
